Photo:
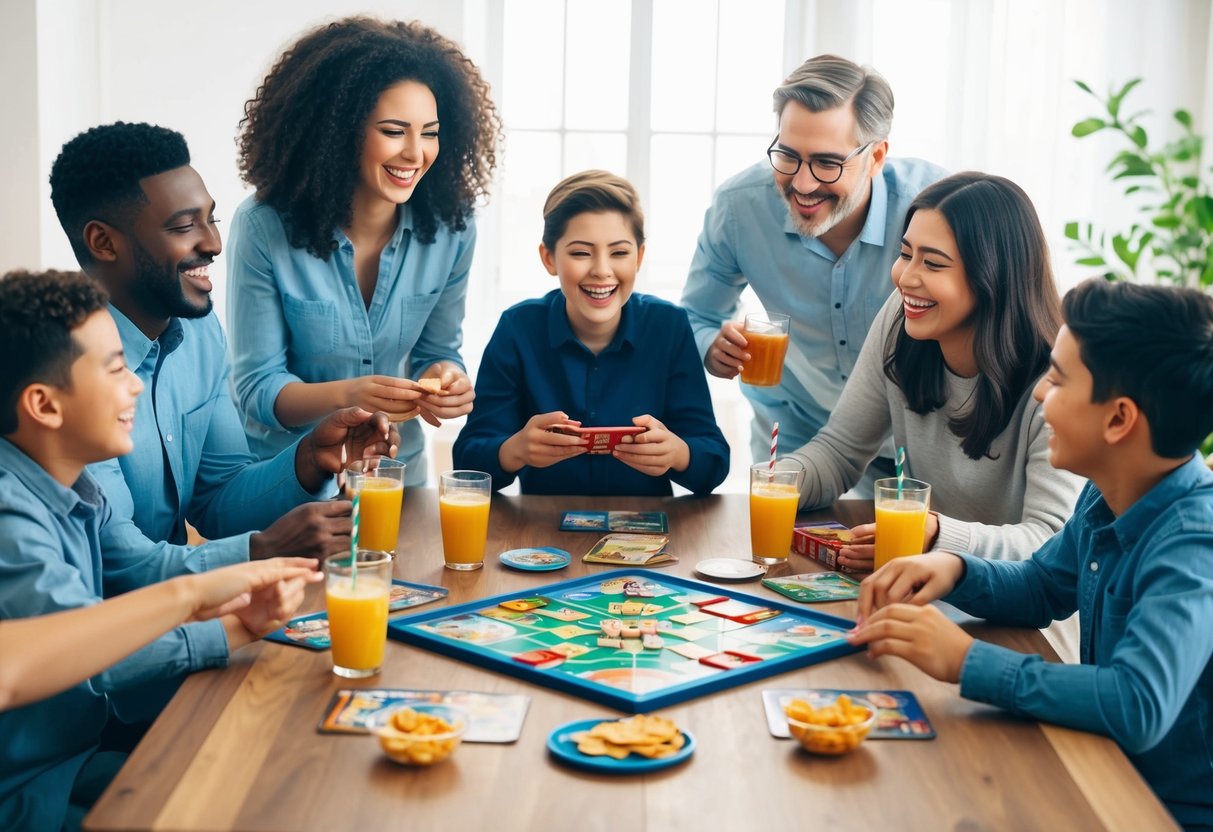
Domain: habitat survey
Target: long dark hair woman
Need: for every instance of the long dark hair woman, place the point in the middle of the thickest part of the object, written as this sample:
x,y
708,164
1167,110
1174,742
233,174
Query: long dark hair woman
x,y
948,369
368,144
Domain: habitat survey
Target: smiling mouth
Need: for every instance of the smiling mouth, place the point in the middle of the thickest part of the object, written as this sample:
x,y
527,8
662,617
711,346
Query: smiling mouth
x,y
127,419
401,175
599,292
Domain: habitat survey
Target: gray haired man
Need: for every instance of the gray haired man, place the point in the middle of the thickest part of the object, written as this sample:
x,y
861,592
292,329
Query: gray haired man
x,y
814,228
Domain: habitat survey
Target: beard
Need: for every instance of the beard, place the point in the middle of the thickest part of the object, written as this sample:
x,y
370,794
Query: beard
x,y
843,208
159,289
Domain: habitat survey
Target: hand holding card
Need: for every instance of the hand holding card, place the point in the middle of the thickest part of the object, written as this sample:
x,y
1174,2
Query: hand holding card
x,y
539,444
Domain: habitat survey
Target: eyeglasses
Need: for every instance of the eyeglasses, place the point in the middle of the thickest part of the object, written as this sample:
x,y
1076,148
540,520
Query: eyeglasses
x,y
825,169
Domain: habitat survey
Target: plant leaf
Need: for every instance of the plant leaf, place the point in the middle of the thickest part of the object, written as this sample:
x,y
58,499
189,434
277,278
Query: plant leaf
x,y
1133,165
1138,136
1071,231
1167,221
1120,245
1091,261
1082,86
1087,126
1184,118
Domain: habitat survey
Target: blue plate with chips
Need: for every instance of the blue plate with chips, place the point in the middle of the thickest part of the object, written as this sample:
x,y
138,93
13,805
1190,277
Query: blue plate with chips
x,y
563,747
545,559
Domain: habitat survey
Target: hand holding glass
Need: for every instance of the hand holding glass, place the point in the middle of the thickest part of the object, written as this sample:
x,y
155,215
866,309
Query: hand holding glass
x,y
767,343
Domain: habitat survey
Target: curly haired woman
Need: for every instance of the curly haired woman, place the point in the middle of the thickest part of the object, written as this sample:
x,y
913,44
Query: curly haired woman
x,y
348,267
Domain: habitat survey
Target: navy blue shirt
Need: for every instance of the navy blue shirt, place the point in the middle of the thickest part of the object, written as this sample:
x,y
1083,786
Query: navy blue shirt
x,y
535,364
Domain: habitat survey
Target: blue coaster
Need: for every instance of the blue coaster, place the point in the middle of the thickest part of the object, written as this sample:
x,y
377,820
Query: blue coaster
x,y
543,559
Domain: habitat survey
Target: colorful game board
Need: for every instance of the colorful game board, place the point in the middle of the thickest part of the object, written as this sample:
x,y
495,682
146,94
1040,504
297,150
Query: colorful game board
x,y
635,642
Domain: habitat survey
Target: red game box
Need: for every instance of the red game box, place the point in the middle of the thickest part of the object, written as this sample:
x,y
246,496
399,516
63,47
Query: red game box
x,y
600,440
821,542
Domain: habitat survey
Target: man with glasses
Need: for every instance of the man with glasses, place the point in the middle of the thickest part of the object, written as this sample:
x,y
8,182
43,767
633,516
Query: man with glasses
x,y
814,229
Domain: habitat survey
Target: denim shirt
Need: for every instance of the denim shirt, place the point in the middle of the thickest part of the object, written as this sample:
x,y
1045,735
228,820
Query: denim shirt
x,y
535,364
1143,587
50,560
294,317
185,419
748,238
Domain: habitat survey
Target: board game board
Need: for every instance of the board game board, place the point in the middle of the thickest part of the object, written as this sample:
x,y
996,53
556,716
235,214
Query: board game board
x,y
661,642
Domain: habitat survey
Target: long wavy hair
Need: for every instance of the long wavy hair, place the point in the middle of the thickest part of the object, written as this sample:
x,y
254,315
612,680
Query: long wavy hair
x,y
1016,315
302,133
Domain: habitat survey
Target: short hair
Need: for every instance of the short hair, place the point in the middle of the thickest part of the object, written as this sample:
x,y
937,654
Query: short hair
x,y
1016,312
38,312
828,81
590,192
1153,344
96,175
303,132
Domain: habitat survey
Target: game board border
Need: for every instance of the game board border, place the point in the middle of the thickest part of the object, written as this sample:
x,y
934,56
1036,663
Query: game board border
x,y
408,630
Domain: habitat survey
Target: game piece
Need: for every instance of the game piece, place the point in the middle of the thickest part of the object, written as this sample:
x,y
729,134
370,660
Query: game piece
x,y
570,650
524,604
652,641
615,608
704,602
611,627
605,641
540,658
633,608
651,609
756,616
629,677
630,631
729,659
647,627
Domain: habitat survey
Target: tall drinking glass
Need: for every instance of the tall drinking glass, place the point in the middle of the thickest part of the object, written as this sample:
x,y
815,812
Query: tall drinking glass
x,y
357,604
774,497
766,338
463,506
380,482
901,518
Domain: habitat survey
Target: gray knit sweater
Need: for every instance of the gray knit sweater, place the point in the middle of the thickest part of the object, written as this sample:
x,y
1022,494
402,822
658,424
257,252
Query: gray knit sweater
x,y
1002,508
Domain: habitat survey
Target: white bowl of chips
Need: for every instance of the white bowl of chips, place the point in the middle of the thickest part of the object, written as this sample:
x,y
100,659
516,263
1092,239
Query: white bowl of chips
x,y
834,728
421,734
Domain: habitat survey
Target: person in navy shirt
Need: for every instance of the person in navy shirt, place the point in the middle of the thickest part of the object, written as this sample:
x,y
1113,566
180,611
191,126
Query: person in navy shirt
x,y
593,354
1128,398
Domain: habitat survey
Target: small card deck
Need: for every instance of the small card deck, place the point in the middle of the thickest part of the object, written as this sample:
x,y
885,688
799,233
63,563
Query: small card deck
x,y
630,550
645,522
899,716
815,587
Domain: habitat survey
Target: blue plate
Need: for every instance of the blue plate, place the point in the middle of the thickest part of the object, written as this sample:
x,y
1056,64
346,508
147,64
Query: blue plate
x,y
536,560
563,747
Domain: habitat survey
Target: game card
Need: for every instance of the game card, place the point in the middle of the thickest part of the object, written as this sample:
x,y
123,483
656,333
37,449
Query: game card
x,y
492,717
405,595
898,714
310,631
630,550
690,650
815,587
571,631
641,522
570,650
562,614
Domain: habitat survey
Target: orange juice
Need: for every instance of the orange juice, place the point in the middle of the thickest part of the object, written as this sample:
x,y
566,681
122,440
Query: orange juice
x,y
765,367
901,526
465,525
357,621
772,516
379,513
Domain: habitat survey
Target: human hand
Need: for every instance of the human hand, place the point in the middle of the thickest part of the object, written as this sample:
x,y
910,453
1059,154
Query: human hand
x,y
271,605
226,590
728,351
314,530
917,580
352,432
455,396
922,636
538,446
399,398
655,451
860,553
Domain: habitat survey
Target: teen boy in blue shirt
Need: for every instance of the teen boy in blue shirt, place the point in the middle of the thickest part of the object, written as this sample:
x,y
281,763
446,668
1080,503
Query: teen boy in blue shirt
x,y
1128,398
66,400
593,353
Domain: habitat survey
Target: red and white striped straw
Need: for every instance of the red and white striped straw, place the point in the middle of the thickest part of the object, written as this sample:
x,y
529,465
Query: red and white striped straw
x,y
774,444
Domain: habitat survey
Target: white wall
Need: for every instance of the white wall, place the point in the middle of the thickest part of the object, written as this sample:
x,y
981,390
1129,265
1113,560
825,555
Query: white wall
x,y
19,163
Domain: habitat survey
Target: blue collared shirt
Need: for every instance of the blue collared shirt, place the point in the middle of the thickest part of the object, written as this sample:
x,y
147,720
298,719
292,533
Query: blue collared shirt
x,y
1142,584
748,238
294,317
190,462
50,560
535,364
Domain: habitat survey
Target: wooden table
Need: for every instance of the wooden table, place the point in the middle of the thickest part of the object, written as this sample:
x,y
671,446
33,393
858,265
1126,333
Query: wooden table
x,y
237,748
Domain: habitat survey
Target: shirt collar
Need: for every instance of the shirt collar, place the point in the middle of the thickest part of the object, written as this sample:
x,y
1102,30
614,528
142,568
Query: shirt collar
x,y
560,332
873,230
1130,526
136,345
61,501
404,222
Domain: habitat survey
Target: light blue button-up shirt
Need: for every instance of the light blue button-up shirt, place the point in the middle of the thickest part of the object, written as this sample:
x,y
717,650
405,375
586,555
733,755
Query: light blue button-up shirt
x,y
294,317
1142,584
190,462
748,238
50,560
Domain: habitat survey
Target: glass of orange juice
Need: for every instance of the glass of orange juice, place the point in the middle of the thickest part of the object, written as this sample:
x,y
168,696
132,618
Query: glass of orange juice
x,y
463,506
766,338
774,498
357,601
901,518
380,482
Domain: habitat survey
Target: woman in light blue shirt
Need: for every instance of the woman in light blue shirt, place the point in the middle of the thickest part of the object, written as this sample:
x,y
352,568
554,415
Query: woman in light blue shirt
x,y
348,273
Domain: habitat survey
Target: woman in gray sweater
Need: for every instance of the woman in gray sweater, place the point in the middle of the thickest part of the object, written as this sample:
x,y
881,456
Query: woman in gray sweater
x,y
948,368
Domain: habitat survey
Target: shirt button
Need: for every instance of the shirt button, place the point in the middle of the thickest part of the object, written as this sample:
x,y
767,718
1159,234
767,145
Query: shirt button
x,y
838,306
168,438
842,343
1094,566
844,376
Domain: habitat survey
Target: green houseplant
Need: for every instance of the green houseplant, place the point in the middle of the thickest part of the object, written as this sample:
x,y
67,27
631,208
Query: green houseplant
x,y
1172,190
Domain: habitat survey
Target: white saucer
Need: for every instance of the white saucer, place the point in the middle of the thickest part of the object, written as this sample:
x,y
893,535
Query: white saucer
x,y
730,569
